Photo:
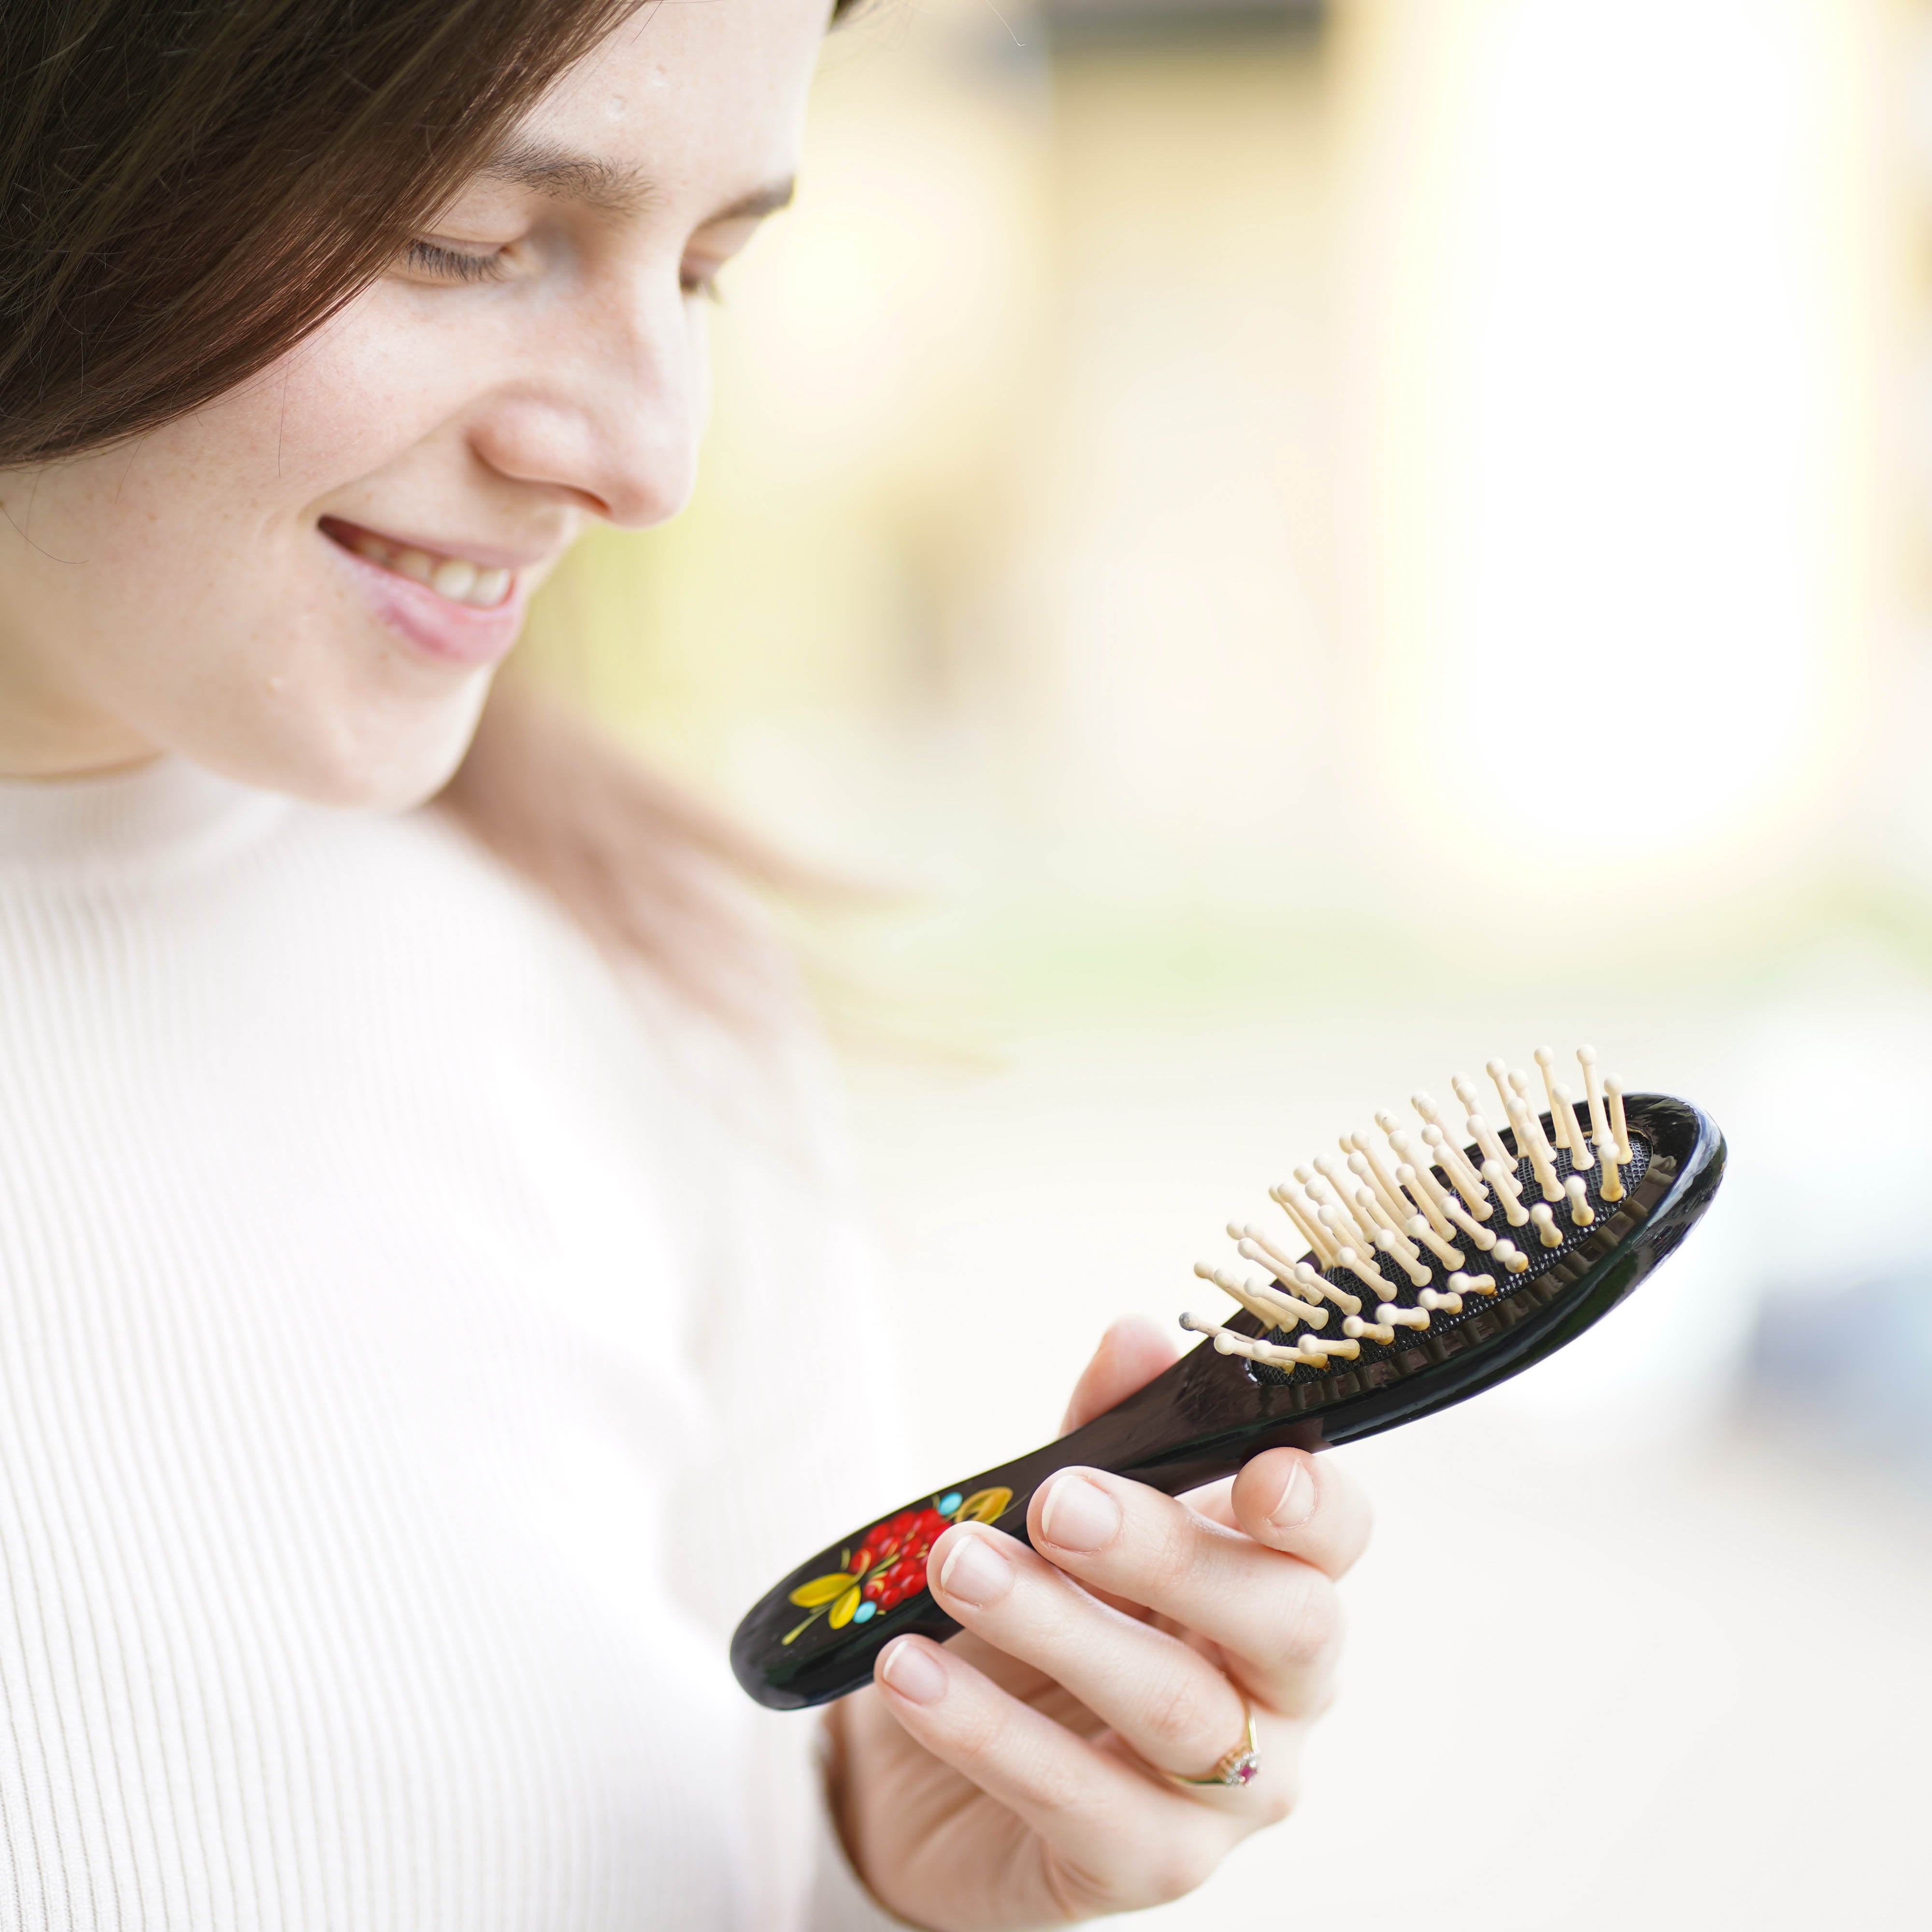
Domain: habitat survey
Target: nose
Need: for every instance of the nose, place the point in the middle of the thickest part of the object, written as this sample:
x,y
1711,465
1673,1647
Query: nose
x,y
606,403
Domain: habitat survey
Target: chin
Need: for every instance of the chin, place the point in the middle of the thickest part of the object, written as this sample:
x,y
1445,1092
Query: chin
x,y
384,761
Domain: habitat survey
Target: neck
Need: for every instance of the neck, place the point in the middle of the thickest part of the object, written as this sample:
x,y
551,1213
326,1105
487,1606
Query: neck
x,y
47,736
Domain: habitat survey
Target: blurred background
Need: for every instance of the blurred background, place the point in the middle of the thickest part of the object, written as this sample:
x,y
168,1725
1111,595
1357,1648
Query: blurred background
x,y
1312,545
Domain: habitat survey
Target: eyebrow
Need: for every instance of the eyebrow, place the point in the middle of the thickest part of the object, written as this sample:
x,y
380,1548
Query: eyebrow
x,y
565,175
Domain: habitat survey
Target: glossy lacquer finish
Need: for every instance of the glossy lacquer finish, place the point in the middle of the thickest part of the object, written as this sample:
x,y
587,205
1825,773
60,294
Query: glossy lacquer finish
x,y
814,1637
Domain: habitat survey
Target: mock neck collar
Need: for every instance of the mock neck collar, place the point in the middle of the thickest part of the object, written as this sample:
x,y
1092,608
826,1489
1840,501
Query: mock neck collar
x,y
155,816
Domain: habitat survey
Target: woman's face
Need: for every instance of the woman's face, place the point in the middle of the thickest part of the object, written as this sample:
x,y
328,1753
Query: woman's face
x,y
306,585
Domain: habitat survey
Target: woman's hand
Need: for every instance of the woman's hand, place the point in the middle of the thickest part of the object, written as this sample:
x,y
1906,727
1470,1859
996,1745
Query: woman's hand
x,y
1012,1777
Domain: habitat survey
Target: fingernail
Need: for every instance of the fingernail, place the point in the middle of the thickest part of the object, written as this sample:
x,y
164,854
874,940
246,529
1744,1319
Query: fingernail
x,y
913,1671
975,1570
1078,1515
1296,1503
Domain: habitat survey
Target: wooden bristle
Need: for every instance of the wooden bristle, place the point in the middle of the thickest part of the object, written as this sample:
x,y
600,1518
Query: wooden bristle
x,y
1384,1235
1562,1121
1581,1158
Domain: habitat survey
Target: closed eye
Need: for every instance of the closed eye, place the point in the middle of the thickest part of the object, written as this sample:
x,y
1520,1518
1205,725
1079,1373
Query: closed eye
x,y
453,265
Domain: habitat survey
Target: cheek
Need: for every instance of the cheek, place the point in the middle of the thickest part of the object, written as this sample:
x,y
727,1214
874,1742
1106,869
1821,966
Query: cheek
x,y
197,505
179,587
353,399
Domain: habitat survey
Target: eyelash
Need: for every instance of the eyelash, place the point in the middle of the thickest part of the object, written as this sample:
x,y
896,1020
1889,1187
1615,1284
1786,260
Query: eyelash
x,y
453,266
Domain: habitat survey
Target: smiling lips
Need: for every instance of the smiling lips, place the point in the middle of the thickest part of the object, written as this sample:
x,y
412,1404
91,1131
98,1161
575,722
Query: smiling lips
x,y
454,609
481,587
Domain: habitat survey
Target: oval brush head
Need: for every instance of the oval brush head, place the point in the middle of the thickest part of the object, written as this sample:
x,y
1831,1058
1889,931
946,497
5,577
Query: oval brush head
x,y
1403,1273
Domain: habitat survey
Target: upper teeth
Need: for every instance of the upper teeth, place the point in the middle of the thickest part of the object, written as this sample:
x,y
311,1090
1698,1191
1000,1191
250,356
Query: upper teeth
x,y
455,578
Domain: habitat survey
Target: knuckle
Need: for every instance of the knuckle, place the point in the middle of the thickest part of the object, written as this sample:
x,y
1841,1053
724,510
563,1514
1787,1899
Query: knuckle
x,y
1182,1863
1057,1788
1311,1625
1078,1893
1172,1717
975,1729
1158,1551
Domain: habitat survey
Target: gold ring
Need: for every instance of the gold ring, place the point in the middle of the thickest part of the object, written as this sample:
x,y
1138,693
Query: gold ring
x,y
1241,1766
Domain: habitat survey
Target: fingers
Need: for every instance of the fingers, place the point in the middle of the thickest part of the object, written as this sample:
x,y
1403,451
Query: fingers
x,y
1308,1506
1172,1706
1131,1354
1324,1521
1285,1498
1275,1617
1115,1839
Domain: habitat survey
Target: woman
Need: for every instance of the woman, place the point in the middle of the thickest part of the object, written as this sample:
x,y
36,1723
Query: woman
x,y
375,1489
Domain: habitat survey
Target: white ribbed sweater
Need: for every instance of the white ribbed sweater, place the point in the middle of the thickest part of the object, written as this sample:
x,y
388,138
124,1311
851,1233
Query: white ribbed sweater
x,y
403,1386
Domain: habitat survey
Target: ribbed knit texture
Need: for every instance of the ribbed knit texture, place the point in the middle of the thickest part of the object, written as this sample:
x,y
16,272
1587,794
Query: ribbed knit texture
x,y
403,1382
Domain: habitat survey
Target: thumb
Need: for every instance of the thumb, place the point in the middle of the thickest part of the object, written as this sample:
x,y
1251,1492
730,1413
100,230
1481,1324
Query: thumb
x,y
1131,1354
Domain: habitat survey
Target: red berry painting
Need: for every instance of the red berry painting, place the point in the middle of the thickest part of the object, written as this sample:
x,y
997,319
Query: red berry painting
x,y
889,1565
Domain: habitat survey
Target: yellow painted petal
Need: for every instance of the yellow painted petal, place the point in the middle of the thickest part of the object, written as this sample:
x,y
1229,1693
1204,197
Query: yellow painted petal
x,y
821,1589
983,1505
842,1611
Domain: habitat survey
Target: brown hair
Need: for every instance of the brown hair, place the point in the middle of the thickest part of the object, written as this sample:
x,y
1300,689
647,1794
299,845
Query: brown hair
x,y
186,192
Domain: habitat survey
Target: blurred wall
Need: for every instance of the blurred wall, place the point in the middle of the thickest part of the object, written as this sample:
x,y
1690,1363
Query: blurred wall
x,y
1624,283
1217,470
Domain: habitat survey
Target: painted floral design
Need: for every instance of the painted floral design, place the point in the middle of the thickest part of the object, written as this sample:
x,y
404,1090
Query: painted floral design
x,y
889,1564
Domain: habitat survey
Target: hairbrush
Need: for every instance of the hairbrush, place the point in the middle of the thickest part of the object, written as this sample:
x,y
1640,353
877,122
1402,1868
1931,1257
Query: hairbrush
x,y
1407,1274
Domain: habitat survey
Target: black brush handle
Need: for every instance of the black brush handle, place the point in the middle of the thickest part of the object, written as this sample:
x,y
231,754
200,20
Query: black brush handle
x,y
1192,1424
